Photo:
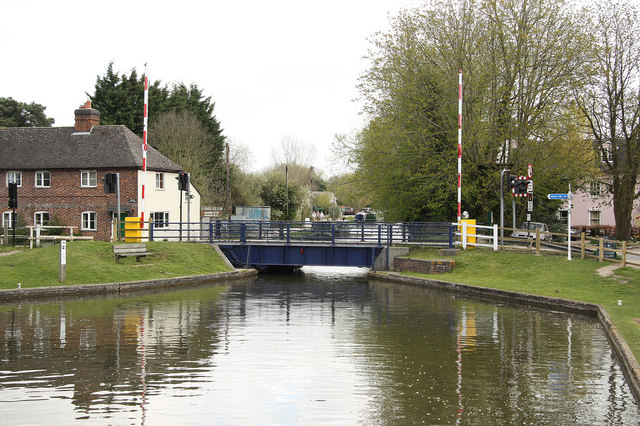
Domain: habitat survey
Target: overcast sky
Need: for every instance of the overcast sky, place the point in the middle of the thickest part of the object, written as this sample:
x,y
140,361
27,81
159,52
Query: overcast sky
x,y
275,69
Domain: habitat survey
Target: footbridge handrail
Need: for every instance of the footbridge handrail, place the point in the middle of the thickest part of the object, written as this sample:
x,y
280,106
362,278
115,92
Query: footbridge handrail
x,y
321,232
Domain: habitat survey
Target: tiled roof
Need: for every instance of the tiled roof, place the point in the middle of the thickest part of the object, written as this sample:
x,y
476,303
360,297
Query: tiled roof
x,y
25,148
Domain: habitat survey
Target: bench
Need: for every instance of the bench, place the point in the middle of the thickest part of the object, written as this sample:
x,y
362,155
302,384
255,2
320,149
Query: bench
x,y
128,250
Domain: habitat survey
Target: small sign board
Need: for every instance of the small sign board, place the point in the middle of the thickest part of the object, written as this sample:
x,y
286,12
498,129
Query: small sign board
x,y
215,212
530,205
63,252
558,196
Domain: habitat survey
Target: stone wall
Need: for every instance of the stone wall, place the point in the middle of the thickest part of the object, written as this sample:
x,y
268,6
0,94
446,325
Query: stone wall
x,y
423,266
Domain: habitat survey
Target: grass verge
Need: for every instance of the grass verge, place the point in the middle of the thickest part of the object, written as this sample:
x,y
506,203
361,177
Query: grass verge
x,y
93,262
551,276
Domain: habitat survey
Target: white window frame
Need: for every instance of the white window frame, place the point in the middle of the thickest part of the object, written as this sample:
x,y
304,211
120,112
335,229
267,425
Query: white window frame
x,y
595,189
87,183
160,219
40,179
89,221
592,217
11,177
7,218
160,181
38,220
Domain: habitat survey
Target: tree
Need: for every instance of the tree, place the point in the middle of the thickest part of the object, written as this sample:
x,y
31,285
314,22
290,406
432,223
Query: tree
x,y
610,102
519,59
284,202
292,151
181,137
20,114
120,100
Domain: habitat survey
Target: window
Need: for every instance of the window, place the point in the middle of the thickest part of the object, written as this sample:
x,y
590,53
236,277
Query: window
x,y
595,189
89,221
14,177
606,154
594,217
160,219
89,178
43,179
7,217
41,218
563,215
159,180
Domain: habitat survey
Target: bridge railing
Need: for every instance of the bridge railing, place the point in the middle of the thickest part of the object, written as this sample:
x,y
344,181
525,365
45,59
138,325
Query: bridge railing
x,y
291,232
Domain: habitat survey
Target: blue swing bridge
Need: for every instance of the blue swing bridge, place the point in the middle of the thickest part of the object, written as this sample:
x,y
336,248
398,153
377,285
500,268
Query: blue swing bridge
x,y
290,244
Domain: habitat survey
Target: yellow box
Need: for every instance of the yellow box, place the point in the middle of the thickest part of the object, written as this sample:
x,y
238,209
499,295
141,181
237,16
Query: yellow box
x,y
471,231
132,230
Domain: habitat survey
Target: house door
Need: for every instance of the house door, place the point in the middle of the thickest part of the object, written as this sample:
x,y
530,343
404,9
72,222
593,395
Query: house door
x,y
121,224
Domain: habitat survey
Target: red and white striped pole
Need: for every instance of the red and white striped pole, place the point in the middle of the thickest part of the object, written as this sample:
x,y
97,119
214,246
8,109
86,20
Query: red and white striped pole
x,y
144,142
459,145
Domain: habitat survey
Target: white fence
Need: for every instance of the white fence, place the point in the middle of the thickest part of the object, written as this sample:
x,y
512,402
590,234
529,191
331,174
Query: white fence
x,y
469,235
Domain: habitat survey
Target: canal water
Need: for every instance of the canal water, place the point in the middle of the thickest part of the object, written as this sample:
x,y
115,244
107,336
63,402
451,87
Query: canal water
x,y
322,346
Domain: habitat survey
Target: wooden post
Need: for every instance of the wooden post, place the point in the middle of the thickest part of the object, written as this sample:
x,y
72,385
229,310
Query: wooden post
x,y
601,249
582,245
624,254
537,241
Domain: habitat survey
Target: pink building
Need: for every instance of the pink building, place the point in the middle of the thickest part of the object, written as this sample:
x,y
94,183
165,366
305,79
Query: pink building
x,y
594,207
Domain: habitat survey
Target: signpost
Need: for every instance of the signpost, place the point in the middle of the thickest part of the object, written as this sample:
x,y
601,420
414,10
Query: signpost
x,y
568,196
63,261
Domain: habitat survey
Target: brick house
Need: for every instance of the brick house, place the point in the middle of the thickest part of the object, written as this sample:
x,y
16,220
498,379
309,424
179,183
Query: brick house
x,y
60,172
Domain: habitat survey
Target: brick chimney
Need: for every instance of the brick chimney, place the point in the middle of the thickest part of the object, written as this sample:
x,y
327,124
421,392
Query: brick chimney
x,y
86,118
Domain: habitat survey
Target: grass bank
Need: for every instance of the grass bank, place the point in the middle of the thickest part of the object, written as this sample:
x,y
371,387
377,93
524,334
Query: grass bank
x,y
93,262
551,276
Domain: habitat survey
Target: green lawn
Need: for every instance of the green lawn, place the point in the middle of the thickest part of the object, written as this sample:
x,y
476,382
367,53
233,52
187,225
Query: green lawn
x,y
553,276
93,262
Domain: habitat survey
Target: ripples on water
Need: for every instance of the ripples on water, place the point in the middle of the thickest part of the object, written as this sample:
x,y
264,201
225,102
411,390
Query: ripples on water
x,y
322,346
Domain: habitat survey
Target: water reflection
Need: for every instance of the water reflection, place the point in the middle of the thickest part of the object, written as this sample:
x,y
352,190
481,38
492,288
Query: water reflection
x,y
321,346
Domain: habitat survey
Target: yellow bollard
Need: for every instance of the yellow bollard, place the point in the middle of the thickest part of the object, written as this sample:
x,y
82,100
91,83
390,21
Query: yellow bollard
x,y
471,232
132,230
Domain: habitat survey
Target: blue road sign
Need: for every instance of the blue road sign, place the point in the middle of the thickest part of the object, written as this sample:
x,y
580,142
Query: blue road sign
x,y
557,196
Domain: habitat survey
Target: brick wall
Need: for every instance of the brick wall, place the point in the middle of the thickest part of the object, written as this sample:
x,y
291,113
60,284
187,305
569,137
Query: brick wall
x,y
423,266
66,199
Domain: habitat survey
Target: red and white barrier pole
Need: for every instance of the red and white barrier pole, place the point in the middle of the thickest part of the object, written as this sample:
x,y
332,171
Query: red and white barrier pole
x,y
459,145
144,142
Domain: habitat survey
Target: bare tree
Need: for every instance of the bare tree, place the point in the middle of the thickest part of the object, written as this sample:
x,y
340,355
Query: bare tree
x,y
610,103
292,151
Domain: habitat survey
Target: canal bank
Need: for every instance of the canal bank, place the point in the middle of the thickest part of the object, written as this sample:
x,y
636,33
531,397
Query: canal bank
x,y
628,361
84,289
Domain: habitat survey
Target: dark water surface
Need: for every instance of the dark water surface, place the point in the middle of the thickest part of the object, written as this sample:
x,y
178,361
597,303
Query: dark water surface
x,y
324,346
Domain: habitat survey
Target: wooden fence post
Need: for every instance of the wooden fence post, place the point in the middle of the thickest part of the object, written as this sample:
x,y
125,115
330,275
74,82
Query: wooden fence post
x,y
624,254
601,249
582,245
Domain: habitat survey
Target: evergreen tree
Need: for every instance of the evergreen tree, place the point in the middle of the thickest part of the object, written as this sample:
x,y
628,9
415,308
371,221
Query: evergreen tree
x,y
20,114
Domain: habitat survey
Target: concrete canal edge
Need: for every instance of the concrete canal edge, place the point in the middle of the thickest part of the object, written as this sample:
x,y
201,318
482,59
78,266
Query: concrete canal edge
x,y
84,289
630,366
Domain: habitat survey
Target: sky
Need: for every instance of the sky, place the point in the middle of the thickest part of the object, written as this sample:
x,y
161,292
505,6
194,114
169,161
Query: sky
x,y
275,69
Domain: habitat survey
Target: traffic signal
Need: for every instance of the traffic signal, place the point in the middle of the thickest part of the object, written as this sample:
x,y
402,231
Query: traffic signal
x,y
13,195
518,185
110,183
183,181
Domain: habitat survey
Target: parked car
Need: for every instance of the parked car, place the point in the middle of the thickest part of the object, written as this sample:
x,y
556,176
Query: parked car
x,y
528,229
365,216
347,210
